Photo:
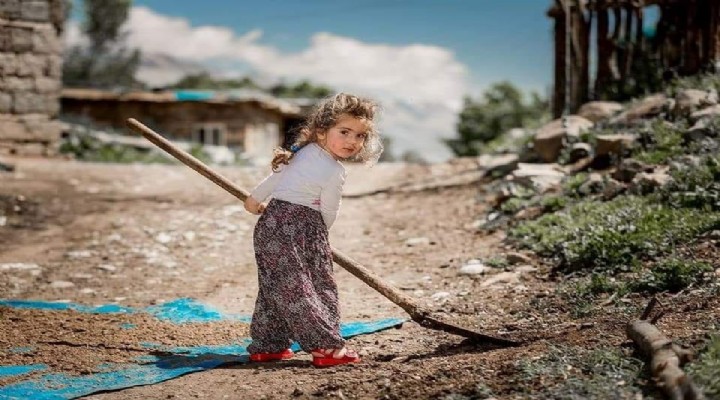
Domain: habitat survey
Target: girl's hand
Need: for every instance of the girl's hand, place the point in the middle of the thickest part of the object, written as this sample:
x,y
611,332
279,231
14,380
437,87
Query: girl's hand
x,y
253,206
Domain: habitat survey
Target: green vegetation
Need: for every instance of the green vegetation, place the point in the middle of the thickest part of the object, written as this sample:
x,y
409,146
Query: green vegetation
x,y
86,148
302,89
106,62
672,275
204,80
613,235
568,372
705,370
695,186
501,109
665,141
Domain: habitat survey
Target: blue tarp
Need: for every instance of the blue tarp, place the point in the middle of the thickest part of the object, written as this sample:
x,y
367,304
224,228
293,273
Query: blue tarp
x,y
148,369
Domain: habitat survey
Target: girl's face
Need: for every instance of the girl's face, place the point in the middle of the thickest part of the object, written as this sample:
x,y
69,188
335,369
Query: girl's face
x,y
346,138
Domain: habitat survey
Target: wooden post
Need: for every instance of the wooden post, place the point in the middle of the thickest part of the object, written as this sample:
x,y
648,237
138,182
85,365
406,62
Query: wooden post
x,y
558,103
604,53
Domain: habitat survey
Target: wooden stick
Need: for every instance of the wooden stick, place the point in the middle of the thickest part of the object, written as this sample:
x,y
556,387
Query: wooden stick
x,y
666,358
407,303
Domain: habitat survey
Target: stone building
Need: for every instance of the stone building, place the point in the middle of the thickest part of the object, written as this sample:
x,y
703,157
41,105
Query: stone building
x,y
30,75
248,123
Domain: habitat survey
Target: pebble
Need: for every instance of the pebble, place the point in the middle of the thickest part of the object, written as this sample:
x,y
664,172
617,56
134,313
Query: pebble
x,y
79,254
3,220
61,284
163,238
474,267
440,296
107,267
20,266
417,241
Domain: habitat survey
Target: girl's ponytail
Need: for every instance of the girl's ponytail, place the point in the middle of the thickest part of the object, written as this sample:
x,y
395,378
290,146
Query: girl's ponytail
x,y
283,156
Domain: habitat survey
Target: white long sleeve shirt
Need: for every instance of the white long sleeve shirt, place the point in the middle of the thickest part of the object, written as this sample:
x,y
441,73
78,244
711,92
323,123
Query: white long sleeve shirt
x,y
313,178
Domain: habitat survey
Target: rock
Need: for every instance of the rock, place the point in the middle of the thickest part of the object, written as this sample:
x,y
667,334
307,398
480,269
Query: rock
x,y
474,267
525,269
81,276
79,254
612,189
18,266
61,285
498,165
579,151
628,168
708,112
647,182
594,184
614,144
645,108
518,258
189,236
439,296
87,291
3,220
503,277
107,267
163,238
550,138
529,213
599,110
542,177
690,100
417,241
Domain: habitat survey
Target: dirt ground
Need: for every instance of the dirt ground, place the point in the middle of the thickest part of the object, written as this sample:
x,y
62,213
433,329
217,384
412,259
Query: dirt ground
x,y
139,235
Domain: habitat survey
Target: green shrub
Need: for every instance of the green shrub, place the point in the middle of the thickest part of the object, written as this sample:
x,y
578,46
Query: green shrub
x,y
672,275
568,372
612,235
705,370
571,184
696,187
662,141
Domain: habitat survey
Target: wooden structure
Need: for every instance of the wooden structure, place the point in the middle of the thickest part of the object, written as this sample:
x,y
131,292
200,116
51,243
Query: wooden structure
x,y
686,41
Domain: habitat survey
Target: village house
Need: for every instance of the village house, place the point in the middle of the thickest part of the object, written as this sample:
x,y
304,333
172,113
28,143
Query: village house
x,y
248,122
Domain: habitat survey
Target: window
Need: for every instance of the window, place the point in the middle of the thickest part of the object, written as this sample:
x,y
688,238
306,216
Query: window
x,y
210,133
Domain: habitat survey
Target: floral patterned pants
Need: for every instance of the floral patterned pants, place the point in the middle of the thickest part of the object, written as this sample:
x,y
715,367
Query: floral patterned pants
x,y
297,297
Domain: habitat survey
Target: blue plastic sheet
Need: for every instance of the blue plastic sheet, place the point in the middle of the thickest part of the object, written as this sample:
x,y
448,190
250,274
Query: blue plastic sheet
x,y
148,369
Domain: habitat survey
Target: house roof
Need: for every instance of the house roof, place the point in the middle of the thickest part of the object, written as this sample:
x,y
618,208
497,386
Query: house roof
x,y
263,100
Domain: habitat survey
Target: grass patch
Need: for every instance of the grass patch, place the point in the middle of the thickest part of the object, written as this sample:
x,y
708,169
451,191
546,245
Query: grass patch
x,y
705,371
672,275
568,372
694,186
612,235
662,142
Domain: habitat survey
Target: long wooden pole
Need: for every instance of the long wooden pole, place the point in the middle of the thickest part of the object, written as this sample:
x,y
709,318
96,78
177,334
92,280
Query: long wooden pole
x,y
417,313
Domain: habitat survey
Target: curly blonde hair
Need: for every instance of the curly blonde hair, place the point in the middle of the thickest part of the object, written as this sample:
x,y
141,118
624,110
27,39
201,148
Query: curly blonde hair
x,y
324,116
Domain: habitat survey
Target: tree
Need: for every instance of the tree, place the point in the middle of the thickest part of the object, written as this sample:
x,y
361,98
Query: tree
x,y
501,109
301,89
204,80
105,62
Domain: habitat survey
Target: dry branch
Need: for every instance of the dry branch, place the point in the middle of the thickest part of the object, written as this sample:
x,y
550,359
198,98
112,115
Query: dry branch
x,y
666,358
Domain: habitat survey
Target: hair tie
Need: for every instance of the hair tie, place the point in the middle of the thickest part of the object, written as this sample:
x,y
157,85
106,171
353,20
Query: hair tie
x,y
294,148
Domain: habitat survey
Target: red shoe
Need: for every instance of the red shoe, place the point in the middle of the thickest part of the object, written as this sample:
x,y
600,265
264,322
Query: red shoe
x,y
263,357
330,357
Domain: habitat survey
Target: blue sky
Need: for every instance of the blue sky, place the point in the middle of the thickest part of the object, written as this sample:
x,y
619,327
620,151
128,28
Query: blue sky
x,y
509,39
418,58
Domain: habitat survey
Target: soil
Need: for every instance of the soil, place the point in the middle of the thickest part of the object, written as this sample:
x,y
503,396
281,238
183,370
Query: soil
x,y
140,235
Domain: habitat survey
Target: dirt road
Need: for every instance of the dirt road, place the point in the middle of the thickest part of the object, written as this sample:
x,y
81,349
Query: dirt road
x,y
145,234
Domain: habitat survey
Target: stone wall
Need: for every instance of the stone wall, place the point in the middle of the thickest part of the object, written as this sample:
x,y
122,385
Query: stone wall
x,y
30,75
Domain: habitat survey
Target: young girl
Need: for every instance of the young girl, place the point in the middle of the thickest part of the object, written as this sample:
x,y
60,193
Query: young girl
x,y
297,297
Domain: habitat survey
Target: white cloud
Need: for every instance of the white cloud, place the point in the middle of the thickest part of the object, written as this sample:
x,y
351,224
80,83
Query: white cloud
x,y
420,86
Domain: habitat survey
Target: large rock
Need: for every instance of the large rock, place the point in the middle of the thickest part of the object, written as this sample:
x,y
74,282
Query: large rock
x,y
646,108
599,110
542,177
628,169
689,100
498,165
648,182
614,144
549,139
707,112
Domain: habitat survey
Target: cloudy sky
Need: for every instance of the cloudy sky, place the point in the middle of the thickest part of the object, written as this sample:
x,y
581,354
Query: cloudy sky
x,y
417,57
